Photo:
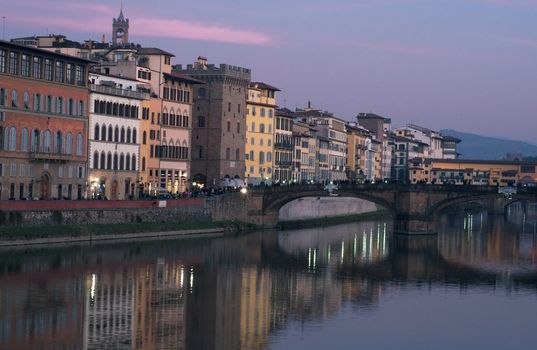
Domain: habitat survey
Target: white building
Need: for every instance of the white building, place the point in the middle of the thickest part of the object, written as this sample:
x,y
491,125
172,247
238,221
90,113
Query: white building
x,y
114,149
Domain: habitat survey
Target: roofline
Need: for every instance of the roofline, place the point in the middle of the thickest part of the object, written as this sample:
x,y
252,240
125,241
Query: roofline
x,y
181,77
46,52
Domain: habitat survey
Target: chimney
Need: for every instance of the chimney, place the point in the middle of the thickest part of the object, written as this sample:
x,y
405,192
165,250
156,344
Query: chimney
x,y
202,62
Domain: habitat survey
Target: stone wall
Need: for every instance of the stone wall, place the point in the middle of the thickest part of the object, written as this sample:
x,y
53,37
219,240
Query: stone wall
x,y
318,207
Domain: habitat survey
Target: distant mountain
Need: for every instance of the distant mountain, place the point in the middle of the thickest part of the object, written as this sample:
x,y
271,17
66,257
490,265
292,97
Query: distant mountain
x,y
475,146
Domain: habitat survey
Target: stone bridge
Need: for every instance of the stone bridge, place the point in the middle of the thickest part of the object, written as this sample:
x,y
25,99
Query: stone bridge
x,y
413,207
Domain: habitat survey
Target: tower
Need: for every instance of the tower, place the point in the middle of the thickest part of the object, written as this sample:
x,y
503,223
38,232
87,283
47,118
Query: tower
x,y
120,29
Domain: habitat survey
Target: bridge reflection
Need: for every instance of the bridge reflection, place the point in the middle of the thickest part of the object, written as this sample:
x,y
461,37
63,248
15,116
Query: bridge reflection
x,y
239,292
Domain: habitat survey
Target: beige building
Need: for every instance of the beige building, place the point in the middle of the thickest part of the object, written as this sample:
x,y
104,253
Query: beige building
x,y
304,153
260,117
283,146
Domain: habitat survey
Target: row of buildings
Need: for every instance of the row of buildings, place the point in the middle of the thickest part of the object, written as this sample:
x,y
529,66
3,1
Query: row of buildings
x,y
116,120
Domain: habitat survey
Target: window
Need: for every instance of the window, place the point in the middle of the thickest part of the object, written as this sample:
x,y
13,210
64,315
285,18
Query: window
x,y
26,100
59,105
37,67
70,107
262,112
13,63
3,97
201,93
108,161
228,126
199,152
79,75
110,133
269,156
229,106
68,143
261,127
144,137
12,139
2,61
134,135
96,160
96,132
48,69
69,74
58,76
237,154
238,127
81,108
14,99
253,110
261,157
133,162
228,153
25,65
79,144
48,105
24,140
143,163
37,102
253,127
270,113
239,108
58,142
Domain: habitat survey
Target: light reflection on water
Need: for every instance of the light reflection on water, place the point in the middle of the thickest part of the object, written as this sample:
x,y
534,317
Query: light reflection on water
x,y
472,286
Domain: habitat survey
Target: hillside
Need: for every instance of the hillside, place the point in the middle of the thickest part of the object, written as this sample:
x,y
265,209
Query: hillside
x,y
483,147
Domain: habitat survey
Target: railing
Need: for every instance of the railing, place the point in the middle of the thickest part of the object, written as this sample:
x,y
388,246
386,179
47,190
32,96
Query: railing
x,y
287,145
284,163
119,92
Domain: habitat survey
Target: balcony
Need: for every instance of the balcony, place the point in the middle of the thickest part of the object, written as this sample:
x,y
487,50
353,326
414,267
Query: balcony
x,y
286,145
50,157
284,164
108,90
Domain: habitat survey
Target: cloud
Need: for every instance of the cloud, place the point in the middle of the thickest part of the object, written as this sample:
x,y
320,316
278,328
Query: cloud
x,y
59,16
174,28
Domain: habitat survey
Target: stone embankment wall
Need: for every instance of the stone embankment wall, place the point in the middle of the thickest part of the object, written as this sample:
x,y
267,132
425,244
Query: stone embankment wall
x,y
318,207
45,213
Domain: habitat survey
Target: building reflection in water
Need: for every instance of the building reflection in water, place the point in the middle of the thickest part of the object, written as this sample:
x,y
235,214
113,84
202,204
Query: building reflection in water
x,y
234,292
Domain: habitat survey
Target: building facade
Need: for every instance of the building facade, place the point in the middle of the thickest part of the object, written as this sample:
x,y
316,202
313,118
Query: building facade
x,y
283,146
219,132
114,149
304,153
44,123
259,149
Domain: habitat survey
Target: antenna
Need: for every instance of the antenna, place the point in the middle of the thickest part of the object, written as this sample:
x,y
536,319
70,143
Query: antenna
x,y
3,27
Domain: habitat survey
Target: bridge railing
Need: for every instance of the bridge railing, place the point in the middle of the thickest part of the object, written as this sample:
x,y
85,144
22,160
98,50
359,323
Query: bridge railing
x,y
351,187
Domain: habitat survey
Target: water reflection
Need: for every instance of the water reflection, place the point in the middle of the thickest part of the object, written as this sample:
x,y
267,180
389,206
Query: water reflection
x,y
249,292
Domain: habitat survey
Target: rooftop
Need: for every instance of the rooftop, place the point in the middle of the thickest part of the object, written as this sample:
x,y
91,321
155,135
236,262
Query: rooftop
x,y
154,51
263,86
43,52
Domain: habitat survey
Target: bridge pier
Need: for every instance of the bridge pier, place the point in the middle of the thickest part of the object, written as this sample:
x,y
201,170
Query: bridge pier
x,y
413,225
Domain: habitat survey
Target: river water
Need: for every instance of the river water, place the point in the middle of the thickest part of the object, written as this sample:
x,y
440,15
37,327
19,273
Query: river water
x,y
353,286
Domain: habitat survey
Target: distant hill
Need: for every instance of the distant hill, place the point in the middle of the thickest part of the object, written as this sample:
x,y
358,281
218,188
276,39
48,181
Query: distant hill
x,y
482,147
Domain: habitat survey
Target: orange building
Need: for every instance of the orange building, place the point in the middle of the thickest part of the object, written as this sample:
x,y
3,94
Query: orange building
x,y
43,124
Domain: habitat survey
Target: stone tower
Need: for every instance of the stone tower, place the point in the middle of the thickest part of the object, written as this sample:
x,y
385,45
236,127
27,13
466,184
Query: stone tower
x,y
120,29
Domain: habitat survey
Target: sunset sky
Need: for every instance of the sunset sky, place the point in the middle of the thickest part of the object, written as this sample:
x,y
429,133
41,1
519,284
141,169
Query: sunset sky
x,y
469,65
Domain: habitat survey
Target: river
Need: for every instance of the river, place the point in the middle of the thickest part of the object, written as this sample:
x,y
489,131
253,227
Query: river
x,y
353,286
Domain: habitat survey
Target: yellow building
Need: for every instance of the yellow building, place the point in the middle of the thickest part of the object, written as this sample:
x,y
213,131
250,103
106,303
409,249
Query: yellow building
x,y
474,172
261,106
149,142
358,139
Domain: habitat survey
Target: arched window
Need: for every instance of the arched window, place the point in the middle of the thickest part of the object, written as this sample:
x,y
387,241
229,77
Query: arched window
x,y
103,132
5,139
37,102
108,108
35,140
127,162
185,121
201,122
96,106
134,135
68,143
96,132
261,127
143,162
79,144
102,107
122,139
133,162
3,98
12,139
103,160
121,161
110,133
261,157
269,155
14,99
46,142
109,161
59,105
24,140
96,160
121,110
115,161
116,134
128,135
26,100
58,140
164,149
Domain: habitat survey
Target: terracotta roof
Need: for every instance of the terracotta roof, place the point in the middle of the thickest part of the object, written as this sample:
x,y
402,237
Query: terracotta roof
x,y
154,51
44,52
261,85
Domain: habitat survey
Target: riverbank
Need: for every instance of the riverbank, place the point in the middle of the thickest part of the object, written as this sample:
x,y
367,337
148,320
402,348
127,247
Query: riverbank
x,y
335,220
58,234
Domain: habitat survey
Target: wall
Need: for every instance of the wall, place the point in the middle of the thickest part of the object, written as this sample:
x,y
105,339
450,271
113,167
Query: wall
x,y
315,207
